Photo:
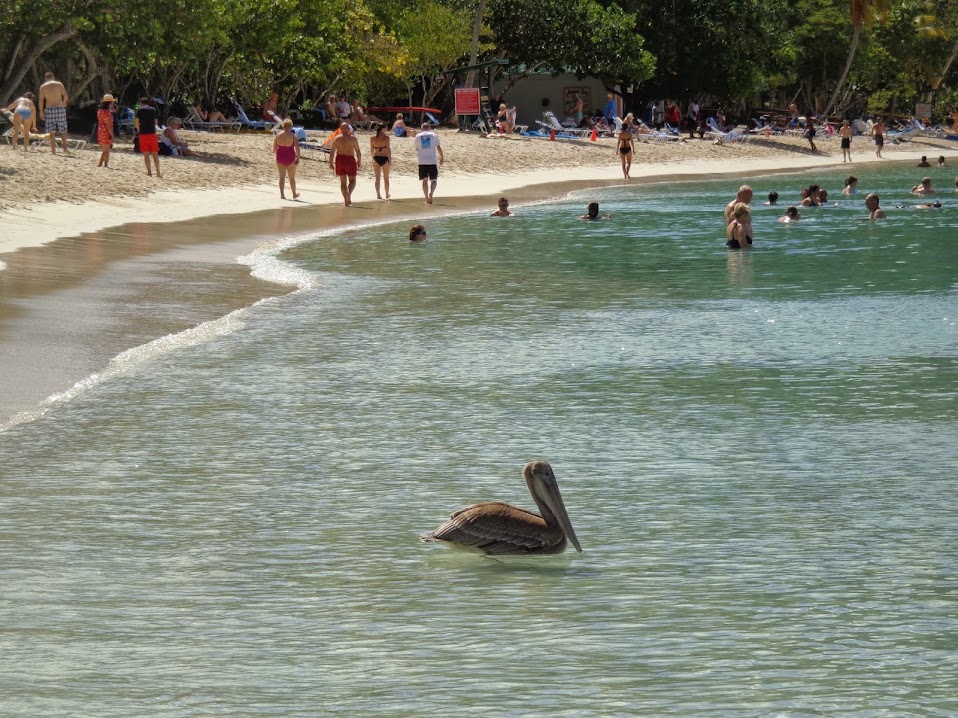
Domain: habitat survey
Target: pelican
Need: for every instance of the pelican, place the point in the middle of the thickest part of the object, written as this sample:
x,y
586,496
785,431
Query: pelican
x,y
499,529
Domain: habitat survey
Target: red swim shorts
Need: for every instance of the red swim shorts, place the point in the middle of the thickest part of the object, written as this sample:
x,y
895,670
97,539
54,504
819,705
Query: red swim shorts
x,y
345,165
149,143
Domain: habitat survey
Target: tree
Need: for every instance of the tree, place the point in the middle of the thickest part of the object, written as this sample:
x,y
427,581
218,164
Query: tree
x,y
578,36
862,13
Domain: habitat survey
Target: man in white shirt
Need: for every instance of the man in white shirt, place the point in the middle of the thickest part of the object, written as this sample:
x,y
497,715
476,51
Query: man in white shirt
x,y
429,153
693,118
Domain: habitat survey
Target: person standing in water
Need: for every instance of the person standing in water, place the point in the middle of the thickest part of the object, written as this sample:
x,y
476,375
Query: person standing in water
x,y
871,204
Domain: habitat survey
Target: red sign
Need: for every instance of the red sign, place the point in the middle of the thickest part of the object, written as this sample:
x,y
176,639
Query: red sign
x,y
467,101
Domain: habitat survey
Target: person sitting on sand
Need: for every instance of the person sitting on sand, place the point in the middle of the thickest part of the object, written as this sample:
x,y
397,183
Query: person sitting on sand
x,y
502,120
739,231
23,117
772,199
171,139
851,185
923,188
400,129
503,210
941,161
417,233
924,162
791,215
871,204
592,212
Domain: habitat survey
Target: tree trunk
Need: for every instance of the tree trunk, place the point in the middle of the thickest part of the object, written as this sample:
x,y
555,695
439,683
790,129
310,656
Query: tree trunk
x,y
12,81
474,53
852,49
947,67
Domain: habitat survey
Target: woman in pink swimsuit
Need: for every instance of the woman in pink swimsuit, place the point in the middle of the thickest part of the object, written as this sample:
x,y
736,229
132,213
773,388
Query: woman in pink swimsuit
x,y
286,147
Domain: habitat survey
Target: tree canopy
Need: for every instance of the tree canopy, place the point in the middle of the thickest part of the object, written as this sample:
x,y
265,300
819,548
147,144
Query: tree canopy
x,y
837,56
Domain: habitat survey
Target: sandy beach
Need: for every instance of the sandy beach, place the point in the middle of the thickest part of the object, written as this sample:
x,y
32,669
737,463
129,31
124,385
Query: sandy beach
x,y
95,262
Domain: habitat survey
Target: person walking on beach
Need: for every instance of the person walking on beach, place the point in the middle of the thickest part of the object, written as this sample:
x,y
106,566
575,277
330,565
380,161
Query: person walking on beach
x,y
429,155
744,195
145,125
23,117
878,132
104,129
382,158
626,148
286,149
846,134
53,110
810,133
345,158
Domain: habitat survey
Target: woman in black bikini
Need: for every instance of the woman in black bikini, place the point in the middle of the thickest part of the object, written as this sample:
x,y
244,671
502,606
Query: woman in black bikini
x,y
626,148
739,231
382,158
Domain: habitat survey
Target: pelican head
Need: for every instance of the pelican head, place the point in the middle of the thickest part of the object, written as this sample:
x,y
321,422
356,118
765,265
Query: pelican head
x,y
544,489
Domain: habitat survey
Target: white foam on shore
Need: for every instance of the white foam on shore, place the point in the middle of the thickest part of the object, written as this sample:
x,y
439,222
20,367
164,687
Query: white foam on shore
x,y
135,357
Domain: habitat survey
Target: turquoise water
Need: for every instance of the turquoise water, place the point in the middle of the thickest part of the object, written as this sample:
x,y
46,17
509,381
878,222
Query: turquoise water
x,y
757,451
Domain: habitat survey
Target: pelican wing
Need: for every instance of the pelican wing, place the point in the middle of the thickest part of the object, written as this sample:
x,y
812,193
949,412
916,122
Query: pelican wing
x,y
498,528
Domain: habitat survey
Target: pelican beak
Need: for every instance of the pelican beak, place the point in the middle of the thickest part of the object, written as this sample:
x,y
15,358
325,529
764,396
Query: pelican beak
x,y
550,494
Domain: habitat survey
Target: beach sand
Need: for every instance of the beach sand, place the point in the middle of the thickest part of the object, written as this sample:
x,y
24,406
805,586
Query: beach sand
x,y
98,261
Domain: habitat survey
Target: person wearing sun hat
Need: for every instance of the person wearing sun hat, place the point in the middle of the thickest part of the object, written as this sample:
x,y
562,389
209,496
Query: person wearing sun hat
x,y
104,128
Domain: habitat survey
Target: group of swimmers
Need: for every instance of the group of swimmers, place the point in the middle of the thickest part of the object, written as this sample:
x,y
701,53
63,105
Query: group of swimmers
x,y
417,233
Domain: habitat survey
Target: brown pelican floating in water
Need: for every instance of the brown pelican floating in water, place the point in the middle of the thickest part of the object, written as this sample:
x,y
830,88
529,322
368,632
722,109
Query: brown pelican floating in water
x,y
495,528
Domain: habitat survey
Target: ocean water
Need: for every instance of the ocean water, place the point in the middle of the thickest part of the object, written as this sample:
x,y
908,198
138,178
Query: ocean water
x,y
757,449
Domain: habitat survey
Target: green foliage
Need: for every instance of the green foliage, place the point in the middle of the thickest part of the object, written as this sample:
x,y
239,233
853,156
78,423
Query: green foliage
x,y
579,36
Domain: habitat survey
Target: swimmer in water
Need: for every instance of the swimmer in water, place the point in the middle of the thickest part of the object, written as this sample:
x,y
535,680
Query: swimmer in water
x,y
772,199
739,232
593,212
874,211
503,210
929,205
851,185
417,233
791,215
923,188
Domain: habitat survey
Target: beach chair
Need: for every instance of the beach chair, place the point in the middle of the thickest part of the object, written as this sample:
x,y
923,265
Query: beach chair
x,y
550,123
740,134
764,127
245,122
860,127
192,121
44,139
715,133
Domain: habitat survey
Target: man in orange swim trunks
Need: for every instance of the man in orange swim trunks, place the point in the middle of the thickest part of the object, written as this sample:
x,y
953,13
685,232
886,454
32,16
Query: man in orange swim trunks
x,y
345,158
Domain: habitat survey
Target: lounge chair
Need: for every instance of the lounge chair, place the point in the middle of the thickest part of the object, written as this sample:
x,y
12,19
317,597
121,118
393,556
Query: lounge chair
x,y
245,122
860,127
551,123
44,139
192,121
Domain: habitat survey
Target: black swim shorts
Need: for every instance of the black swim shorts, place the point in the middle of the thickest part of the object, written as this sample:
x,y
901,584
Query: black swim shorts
x,y
428,172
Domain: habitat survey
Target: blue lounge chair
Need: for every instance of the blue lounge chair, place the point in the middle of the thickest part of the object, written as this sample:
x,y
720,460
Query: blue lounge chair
x,y
247,123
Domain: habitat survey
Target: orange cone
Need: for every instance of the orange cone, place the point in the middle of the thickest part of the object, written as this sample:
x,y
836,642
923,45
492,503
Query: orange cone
x,y
594,135
552,136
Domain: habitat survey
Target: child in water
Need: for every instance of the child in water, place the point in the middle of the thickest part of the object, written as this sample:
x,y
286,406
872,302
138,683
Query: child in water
x,y
593,212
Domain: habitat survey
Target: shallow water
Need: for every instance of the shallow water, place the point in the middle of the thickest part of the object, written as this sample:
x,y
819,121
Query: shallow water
x,y
757,450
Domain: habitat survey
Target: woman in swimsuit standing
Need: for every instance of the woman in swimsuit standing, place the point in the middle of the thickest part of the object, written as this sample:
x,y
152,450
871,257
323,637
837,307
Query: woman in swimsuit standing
x,y
286,147
626,147
739,232
23,118
382,158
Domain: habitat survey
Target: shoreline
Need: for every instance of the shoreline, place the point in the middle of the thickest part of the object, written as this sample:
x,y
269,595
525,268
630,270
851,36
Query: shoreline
x,y
71,274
